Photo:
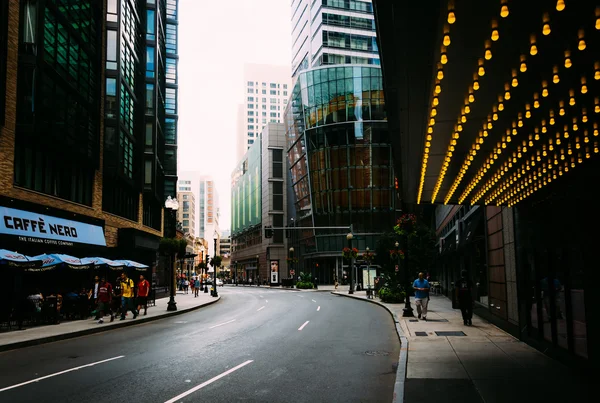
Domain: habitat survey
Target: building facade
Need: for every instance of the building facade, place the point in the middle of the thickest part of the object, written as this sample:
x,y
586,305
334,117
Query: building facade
x,y
73,135
497,119
328,32
259,199
186,215
207,211
339,149
267,90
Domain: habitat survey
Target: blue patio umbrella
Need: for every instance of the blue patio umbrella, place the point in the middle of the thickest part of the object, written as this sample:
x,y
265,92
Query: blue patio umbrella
x,y
53,260
134,265
17,259
100,261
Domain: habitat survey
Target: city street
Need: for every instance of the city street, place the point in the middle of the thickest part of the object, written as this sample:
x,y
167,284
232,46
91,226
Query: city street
x,y
255,345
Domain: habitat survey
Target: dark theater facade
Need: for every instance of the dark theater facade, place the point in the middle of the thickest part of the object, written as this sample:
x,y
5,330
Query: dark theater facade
x,y
496,108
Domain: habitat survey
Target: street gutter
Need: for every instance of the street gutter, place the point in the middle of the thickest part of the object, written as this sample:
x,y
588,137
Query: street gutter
x,y
99,329
398,396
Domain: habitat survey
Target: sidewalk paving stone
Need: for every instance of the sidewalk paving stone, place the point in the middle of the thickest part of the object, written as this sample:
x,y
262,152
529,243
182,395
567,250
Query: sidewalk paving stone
x,y
12,339
485,365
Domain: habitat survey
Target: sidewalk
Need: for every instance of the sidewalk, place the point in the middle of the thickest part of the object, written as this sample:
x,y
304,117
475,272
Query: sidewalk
x,y
13,339
478,363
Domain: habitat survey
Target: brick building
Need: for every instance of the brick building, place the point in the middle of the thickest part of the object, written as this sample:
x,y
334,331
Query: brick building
x,y
81,140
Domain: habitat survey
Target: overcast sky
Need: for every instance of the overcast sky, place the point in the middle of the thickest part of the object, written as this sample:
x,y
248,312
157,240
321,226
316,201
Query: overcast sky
x,y
216,39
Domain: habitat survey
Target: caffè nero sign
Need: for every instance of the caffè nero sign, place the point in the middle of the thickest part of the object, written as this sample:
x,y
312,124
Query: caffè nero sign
x,y
40,228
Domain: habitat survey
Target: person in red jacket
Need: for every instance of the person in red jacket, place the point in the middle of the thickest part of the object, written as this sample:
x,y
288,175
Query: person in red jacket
x,y
143,292
104,300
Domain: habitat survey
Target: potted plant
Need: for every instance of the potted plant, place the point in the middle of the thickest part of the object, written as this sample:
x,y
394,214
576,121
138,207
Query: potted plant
x,y
406,224
348,253
396,254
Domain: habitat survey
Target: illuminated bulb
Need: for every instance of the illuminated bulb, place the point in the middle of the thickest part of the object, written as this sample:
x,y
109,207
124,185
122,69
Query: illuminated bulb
x,y
440,74
545,92
471,98
481,71
504,11
432,122
495,116
488,54
463,119
568,62
433,112
507,95
467,109
515,82
446,40
500,106
436,101
546,30
534,50
597,75
597,23
527,114
495,35
536,104
444,58
476,85
451,18
438,89
523,67
581,45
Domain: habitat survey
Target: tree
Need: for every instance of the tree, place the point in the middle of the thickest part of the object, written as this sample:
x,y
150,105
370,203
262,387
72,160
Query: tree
x,y
216,261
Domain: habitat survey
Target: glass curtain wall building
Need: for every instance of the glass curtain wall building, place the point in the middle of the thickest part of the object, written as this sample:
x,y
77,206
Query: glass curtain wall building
x,y
141,108
339,146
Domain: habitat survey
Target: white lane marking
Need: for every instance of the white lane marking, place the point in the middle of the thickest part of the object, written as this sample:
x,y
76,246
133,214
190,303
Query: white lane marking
x,y
313,300
221,324
202,385
319,308
305,323
260,309
60,373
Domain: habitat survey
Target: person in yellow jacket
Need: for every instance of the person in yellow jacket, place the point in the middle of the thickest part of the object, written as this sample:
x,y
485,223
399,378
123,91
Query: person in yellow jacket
x,y
127,296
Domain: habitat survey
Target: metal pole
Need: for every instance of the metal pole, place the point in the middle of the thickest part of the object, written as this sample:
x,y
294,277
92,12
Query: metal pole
x,y
351,268
407,312
215,293
172,305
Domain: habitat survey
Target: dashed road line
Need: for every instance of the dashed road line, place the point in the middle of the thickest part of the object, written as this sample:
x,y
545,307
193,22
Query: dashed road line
x,y
305,323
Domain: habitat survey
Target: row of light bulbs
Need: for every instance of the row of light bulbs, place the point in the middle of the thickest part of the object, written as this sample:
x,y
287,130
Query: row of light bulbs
x,y
466,109
549,148
451,18
583,89
546,173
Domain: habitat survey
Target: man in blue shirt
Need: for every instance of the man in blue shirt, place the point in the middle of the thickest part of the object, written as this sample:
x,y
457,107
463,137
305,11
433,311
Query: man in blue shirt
x,y
421,287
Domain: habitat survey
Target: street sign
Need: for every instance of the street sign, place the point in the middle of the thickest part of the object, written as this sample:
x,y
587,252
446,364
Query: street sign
x,y
397,269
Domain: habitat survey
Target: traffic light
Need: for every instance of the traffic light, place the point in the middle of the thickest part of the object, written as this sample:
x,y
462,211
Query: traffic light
x,y
268,231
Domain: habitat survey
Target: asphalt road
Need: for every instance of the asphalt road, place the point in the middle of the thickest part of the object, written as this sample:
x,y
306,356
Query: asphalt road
x,y
248,347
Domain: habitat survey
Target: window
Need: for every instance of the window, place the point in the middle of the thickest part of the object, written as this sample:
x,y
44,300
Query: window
x,y
273,114
250,120
264,91
250,113
273,100
149,61
29,22
250,99
277,163
171,38
250,134
278,233
250,106
284,86
149,137
273,92
170,131
111,98
186,223
250,91
186,215
127,109
150,31
277,196
111,49
273,107
126,155
264,84
250,127
250,141
111,11
250,84
148,172
285,93
171,101
264,114
149,99
273,85
171,70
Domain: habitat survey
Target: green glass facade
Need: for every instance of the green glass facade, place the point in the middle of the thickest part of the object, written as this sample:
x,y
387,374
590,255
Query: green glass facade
x,y
246,195
340,156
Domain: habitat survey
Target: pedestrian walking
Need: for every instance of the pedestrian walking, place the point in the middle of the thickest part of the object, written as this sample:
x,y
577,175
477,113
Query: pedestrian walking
x,y
104,300
464,296
93,296
143,292
421,287
127,296
196,287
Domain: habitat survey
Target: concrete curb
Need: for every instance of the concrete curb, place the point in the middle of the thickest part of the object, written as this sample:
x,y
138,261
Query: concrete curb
x,y
117,325
403,357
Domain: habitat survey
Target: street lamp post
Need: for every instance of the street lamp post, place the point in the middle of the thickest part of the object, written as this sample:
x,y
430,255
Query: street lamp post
x,y
206,272
407,312
235,273
291,268
215,293
257,271
349,237
369,295
172,206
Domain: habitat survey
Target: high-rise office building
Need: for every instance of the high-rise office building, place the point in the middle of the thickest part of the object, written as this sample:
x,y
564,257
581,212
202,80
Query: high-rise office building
x,y
332,32
186,215
267,90
339,146
207,211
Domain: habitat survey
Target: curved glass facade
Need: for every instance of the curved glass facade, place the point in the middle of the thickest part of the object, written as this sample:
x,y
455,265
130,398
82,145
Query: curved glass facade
x,y
340,156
